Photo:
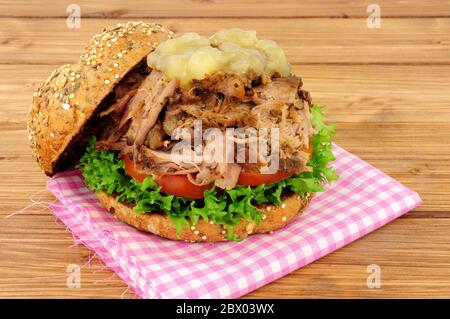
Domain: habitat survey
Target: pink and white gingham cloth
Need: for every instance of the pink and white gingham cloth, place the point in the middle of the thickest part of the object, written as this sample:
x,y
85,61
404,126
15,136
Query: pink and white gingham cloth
x,y
363,200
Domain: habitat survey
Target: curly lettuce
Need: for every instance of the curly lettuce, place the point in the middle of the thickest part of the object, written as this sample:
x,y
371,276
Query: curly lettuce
x,y
104,171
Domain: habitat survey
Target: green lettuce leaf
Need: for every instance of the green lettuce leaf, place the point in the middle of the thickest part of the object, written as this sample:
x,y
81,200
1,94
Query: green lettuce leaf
x,y
104,171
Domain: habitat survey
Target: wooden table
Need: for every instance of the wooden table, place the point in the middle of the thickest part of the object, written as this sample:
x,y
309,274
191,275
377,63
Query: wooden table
x,y
387,90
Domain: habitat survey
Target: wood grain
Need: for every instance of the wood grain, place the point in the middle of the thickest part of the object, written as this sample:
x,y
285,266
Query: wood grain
x,y
386,90
306,41
224,8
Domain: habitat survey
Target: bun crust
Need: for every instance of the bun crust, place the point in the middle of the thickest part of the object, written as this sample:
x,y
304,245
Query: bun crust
x,y
159,224
64,103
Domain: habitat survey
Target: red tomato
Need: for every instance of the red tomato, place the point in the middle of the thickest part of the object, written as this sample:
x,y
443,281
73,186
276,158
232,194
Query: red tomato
x,y
178,185
256,179
130,168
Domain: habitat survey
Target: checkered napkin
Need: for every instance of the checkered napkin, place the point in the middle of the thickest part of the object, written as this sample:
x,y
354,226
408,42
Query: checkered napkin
x,y
363,200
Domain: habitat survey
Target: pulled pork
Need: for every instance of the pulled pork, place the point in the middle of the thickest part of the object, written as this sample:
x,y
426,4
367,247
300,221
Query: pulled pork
x,y
148,111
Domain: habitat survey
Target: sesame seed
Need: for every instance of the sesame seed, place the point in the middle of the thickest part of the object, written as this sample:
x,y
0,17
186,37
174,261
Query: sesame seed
x,y
203,237
107,81
284,218
268,208
192,227
196,232
264,216
271,232
223,232
66,106
283,206
116,76
120,55
72,95
211,222
116,64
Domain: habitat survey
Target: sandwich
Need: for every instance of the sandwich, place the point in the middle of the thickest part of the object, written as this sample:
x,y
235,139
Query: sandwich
x,y
188,137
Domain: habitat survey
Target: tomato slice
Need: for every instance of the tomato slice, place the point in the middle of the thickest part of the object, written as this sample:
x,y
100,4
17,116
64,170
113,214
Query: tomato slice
x,y
131,169
256,179
178,185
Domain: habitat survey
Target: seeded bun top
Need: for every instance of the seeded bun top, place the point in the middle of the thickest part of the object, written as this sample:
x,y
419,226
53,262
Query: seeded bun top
x,y
64,103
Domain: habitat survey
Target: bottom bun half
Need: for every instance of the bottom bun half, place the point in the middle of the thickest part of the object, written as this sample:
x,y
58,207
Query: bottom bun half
x,y
274,217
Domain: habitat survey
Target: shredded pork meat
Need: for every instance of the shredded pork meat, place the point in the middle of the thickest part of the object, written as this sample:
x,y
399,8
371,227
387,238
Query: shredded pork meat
x,y
148,110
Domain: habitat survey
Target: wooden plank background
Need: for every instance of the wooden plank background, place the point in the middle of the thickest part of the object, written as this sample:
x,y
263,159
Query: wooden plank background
x,y
387,90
